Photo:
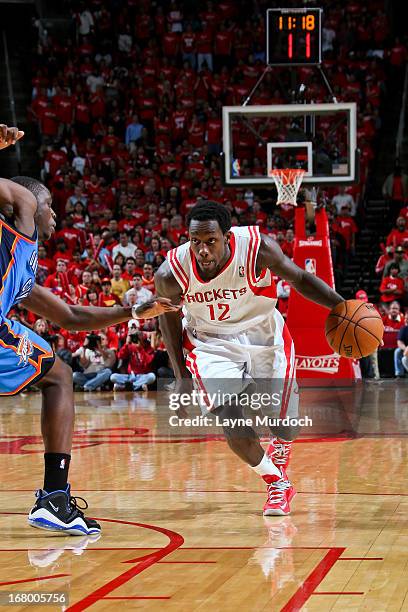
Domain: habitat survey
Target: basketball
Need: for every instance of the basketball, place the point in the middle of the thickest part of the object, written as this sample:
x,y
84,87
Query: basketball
x,y
354,329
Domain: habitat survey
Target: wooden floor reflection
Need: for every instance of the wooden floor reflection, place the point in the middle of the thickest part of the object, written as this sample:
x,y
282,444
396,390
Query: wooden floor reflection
x,y
181,516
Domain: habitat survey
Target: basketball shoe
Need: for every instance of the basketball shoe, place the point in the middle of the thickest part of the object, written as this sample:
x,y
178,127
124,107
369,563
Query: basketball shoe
x,y
58,511
279,451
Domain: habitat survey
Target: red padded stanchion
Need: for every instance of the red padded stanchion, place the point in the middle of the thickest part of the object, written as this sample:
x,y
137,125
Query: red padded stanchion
x,y
315,359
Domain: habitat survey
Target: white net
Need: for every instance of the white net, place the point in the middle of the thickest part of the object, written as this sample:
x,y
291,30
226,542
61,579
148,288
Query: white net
x,y
287,183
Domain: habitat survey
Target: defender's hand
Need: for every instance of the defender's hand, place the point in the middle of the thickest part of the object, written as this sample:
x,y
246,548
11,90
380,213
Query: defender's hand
x,y
9,135
154,308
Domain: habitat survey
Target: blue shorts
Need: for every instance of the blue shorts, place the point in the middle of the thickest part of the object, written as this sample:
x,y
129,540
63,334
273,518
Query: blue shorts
x,y
25,357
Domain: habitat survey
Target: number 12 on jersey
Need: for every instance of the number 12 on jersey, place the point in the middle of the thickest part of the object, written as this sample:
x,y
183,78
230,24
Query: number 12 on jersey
x,y
223,312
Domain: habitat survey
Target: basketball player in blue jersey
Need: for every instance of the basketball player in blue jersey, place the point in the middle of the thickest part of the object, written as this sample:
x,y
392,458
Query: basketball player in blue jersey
x,y
232,330
25,358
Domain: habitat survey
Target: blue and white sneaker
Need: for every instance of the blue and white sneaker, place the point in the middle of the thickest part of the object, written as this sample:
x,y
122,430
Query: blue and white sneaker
x,y
59,511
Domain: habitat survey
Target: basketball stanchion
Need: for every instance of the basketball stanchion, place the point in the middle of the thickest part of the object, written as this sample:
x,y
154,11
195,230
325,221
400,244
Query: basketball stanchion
x,y
315,358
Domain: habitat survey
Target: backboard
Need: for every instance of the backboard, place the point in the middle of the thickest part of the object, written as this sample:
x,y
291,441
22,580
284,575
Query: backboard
x,y
317,138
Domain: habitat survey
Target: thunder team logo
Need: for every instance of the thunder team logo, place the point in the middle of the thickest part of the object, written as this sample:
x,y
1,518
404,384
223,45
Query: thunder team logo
x,y
24,349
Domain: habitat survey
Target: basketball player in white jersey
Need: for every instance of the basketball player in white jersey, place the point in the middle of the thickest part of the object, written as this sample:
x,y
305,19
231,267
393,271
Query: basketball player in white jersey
x,y
231,329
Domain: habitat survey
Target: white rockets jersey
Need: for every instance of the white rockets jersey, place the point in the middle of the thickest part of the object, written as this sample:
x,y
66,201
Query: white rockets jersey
x,y
236,299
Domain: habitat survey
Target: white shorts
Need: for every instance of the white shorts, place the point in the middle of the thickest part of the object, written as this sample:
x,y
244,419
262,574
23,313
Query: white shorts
x,y
263,354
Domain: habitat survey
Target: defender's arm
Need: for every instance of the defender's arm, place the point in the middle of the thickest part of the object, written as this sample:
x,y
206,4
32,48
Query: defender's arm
x,y
15,200
44,303
20,204
170,322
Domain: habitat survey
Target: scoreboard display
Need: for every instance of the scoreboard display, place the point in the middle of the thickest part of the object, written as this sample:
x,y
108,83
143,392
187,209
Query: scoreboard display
x,y
293,37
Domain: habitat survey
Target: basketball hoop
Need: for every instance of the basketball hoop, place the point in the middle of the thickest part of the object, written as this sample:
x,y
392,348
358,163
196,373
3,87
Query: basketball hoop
x,y
287,181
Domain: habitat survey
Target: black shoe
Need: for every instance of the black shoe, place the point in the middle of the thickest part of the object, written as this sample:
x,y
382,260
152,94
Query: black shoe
x,y
58,511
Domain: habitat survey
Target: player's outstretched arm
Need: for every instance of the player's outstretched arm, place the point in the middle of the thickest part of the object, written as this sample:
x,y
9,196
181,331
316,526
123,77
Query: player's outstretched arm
x,y
77,318
170,322
15,200
18,203
270,256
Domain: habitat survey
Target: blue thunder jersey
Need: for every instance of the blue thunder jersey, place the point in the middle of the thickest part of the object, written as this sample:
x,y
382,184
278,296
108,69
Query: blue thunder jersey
x,y
18,266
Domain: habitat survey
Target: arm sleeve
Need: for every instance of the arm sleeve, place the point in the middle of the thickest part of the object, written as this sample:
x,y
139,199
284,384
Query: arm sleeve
x,y
123,352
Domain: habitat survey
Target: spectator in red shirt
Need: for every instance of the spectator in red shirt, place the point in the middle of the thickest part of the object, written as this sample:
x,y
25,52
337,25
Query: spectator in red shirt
x,y
223,43
345,225
54,159
171,43
392,286
385,258
86,284
59,279
287,246
73,340
62,252
82,117
204,49
45,265
64,108
176,230
97,206
404,213
72,237
394,320
140,261
130,269
188,46
92,298
128,222
399,234
93,184
106,297
139,355
213,133
75,269
395,191
398,55
49,123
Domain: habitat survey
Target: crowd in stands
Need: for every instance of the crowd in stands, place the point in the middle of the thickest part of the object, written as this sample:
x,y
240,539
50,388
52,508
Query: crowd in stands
x,y
392,269
129,120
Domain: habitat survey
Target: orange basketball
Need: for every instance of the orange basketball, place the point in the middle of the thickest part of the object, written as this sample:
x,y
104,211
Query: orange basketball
x,y
354,329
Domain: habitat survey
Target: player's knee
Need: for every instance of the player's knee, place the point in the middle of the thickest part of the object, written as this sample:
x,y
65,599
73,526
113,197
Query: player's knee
x,y
60,375
66,374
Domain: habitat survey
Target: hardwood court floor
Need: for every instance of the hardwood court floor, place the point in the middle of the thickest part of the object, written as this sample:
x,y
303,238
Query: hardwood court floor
x,y
182,519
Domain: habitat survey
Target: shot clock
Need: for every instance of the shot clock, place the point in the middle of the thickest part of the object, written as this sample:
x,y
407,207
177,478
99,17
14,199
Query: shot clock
x,y
293,37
